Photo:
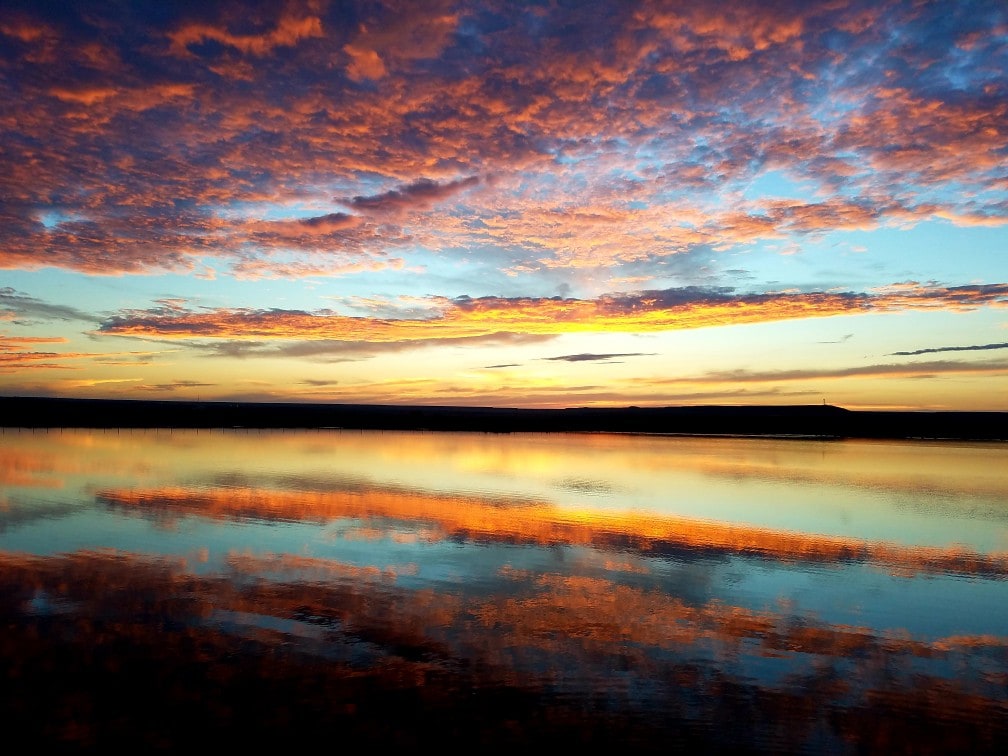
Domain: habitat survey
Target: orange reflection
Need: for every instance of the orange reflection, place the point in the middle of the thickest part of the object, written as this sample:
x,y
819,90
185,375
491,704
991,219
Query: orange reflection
x,y
50,460
545,655
471,518
28,468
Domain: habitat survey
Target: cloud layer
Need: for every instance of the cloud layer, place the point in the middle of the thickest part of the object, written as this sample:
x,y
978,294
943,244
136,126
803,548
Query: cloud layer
x,y
139,141
465,317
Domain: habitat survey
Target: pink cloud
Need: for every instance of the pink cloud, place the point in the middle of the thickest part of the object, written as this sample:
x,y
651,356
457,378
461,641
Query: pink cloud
x,y
289,30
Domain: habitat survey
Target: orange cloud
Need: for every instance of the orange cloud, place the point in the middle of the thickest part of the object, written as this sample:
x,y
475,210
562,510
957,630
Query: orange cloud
x,y
364,63
11,342
597,145
467,318
24,29
736,32
288,31
87,97
402,32
14,358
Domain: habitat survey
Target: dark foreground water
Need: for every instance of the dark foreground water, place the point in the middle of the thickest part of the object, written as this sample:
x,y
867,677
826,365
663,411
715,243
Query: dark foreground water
x,y
328,590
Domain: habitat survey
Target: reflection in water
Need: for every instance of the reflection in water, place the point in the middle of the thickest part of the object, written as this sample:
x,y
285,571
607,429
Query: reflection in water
x,y
176,589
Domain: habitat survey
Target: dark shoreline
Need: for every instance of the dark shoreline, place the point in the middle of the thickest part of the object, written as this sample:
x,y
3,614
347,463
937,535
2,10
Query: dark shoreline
x,y
807,421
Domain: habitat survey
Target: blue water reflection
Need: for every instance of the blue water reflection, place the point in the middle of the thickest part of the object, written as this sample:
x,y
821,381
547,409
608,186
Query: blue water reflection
x,y
642,592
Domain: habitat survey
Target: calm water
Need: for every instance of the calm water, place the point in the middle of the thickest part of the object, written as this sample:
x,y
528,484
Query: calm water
x,y
173,589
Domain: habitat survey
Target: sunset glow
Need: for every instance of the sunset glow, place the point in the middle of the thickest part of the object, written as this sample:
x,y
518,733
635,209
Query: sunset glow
x,y
523,205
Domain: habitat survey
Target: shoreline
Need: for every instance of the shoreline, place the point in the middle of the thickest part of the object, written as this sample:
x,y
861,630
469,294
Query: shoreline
x,y
806,422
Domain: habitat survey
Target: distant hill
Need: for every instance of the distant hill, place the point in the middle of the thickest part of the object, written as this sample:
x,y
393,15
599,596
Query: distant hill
x,y
820,421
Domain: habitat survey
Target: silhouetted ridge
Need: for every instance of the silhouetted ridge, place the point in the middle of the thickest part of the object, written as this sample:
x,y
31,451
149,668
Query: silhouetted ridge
x,y
822,421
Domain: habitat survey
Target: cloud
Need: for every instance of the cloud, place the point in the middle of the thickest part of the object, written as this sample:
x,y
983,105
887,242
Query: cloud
x,y
892,370
17,354
842,340
288,31
177,125
364,63
15,358
914,295
399,34
18,307
422,194
490,317
320,225
585,357
933,350
269,268
336,350
172,387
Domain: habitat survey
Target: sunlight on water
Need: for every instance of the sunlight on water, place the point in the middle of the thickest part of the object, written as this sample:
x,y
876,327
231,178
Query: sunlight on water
x,y
767,594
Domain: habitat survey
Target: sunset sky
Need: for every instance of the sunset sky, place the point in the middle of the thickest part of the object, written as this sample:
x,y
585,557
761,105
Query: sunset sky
x,y
551,204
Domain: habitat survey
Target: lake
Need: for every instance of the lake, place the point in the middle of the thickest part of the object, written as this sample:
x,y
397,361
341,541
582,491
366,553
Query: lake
x,y
219,588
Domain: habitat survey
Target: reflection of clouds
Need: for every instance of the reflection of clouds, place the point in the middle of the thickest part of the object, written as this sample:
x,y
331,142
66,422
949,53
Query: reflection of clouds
x,y
18,511
936,493
30,468
468,518
54,459
587,486
354,644
957,476
398,613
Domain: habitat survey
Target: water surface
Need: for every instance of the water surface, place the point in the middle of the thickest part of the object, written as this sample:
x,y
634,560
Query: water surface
x,y
165,588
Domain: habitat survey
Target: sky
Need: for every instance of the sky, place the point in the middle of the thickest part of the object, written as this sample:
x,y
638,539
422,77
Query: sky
x,y
542,204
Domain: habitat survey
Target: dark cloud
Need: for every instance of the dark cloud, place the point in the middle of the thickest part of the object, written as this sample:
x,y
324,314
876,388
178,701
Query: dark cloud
x,y
912,369
331,220
665,298
933,350
843,339
714,296
420,195
173,386
337,350
585,357
24,307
